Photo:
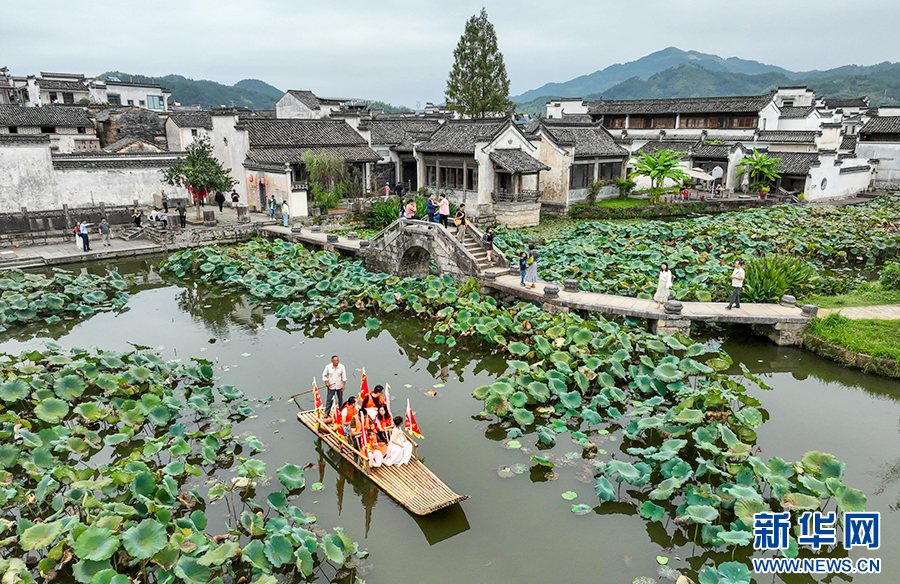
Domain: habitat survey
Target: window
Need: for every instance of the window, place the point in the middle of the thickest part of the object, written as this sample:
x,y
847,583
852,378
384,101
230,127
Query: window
x,y
155,102
142,103
114,98
614,122
193,132
52,96
472,179
610,170
451,178
744,122
787,103
581,176
68,97
13,130
48,130
130,102
637,123
82,130
662,123
693,122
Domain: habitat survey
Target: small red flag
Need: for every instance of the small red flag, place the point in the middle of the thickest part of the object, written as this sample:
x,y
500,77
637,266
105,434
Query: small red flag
x,y
410,422
318,399
364,447
363,388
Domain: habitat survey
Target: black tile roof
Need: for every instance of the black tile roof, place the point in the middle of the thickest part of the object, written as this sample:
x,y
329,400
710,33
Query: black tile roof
x,y
785,137
882,125
688,105
654,145
587,139
301,133
198,119
274,156
795,163
24,139
460,137
852,102
795,112
400,132
307,98
48,115
57,85
848,143
517,161
852,169
97,159
705,150
246,115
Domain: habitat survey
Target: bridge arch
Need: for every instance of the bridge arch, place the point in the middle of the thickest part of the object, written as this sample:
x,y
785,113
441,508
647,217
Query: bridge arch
x,y
415,261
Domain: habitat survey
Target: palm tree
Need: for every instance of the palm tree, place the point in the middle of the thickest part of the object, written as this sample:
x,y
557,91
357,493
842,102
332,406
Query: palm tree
x,y
659,166
761,168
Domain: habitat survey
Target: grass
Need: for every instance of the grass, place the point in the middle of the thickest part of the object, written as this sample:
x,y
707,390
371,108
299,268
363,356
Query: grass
x,y
618,203
878,338
871,294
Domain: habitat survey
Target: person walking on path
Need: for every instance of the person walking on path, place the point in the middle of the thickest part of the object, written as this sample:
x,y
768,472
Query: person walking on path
x,y
398,188
487,241
235,198
444,210
335,378
83,229
387,190
182,214
664,285
531,262
285,212
220,200
272,204
79,243
411,209
430,208
104,232
737,282
164,198
461,222
523,267
136,217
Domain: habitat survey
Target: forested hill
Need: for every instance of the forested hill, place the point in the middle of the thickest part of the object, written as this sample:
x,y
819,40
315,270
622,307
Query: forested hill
x,y
250,93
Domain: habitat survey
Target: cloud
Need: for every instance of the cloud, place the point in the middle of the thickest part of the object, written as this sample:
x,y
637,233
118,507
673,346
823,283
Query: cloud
x,y
401,51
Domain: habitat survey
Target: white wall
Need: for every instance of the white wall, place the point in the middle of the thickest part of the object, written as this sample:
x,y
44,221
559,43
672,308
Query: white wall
x,y
557,107
887,171
230,147
178,139
136,94
837,185
289,107
26,178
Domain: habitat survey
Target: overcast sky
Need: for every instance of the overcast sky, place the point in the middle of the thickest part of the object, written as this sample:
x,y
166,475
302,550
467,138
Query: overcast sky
x,y
400,51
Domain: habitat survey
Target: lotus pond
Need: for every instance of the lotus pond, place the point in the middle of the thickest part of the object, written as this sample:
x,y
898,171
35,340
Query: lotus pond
x,y
519,503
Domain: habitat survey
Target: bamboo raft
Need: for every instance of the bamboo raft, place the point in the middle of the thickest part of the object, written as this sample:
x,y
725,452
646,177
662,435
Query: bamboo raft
x,y
412,485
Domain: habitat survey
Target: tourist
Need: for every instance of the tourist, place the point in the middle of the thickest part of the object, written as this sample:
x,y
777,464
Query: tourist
x,y
374,399
399,449
153,214
79,243
737,282
235,198
664,285
285,212
383,423
83,229
487,241
523,266
160,216
531,274
349,419
398,188
182,213
718,190
411,209
335,378
136,217
104,232
430,208
164,199
387,190
272,204
220,200
444,210
461,222
376,449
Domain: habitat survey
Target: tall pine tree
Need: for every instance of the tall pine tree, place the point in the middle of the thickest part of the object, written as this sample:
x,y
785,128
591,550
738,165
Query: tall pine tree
x,y
478,86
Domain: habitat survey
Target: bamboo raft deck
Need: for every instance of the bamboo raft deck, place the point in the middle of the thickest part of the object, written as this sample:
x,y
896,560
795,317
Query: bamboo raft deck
x,y
412,485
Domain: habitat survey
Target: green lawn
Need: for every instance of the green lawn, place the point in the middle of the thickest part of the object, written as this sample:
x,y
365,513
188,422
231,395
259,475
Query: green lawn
x,y
866,295
616,203
878,338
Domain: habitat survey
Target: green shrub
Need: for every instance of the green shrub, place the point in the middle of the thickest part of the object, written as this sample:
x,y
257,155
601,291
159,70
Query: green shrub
x,y
625,185
890,276
836,285
593,191
768,278
383,213
467,287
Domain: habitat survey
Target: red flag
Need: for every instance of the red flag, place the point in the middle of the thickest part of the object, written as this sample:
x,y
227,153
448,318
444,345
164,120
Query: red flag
x,y
318,399
365,435
363,388
410,422
387,400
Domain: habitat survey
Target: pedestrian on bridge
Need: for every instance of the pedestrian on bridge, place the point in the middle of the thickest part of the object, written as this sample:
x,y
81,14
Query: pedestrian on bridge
x,y
737,282
444,210
285,212
430,208
664,285
461,222
531,262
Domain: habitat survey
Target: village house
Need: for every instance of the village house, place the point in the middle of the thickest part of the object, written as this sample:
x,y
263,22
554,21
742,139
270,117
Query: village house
x,y
68,129
76,89
392,138
182,128
305,105
879,142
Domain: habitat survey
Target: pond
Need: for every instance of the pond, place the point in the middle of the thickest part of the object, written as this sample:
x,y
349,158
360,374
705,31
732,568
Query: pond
x,y
516,526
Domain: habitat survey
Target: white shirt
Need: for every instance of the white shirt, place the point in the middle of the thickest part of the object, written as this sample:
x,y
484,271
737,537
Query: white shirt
x,y
735,282
335,377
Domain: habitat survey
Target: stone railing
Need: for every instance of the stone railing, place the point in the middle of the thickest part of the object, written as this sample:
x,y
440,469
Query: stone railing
x,y
300,186
520,197
498,257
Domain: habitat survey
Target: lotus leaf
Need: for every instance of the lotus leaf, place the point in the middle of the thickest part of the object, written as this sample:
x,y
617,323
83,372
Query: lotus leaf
x,y
191,570
333,548
254,553
570,400
700,513
40,536
688,416
852,500
51,410
734,573
581,509
539,391
668,373
523,416
14,390
96,543
652,511
604,489
145,539
736,537
69,387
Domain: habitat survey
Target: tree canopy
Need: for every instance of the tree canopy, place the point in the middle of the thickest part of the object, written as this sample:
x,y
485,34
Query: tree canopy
x,y
659,166
199,171
478,85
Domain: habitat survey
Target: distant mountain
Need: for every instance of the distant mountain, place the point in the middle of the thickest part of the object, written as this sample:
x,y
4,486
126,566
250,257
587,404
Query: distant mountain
x,y
259,86
206,93
643,68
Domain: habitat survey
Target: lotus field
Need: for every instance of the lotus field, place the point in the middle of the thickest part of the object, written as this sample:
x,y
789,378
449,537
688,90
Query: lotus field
x,y
624,259
687,431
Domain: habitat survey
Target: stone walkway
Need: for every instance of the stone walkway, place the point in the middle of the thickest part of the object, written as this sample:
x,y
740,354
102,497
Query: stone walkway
x,y
307,236
67,253
880,312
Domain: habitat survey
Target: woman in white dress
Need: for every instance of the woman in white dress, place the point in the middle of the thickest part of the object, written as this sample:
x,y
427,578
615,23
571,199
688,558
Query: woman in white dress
x,y
665,284
79,242
399,449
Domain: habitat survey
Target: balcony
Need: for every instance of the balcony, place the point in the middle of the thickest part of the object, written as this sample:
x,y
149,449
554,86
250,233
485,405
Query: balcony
x,y
504,196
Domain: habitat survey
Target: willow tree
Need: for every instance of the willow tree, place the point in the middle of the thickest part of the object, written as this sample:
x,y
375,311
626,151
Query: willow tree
x,y
478,85
330,178
659,166
199,172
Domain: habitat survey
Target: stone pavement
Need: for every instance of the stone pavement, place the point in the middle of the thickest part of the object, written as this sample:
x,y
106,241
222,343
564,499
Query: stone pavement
x,y
307,236
67,253
880,312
